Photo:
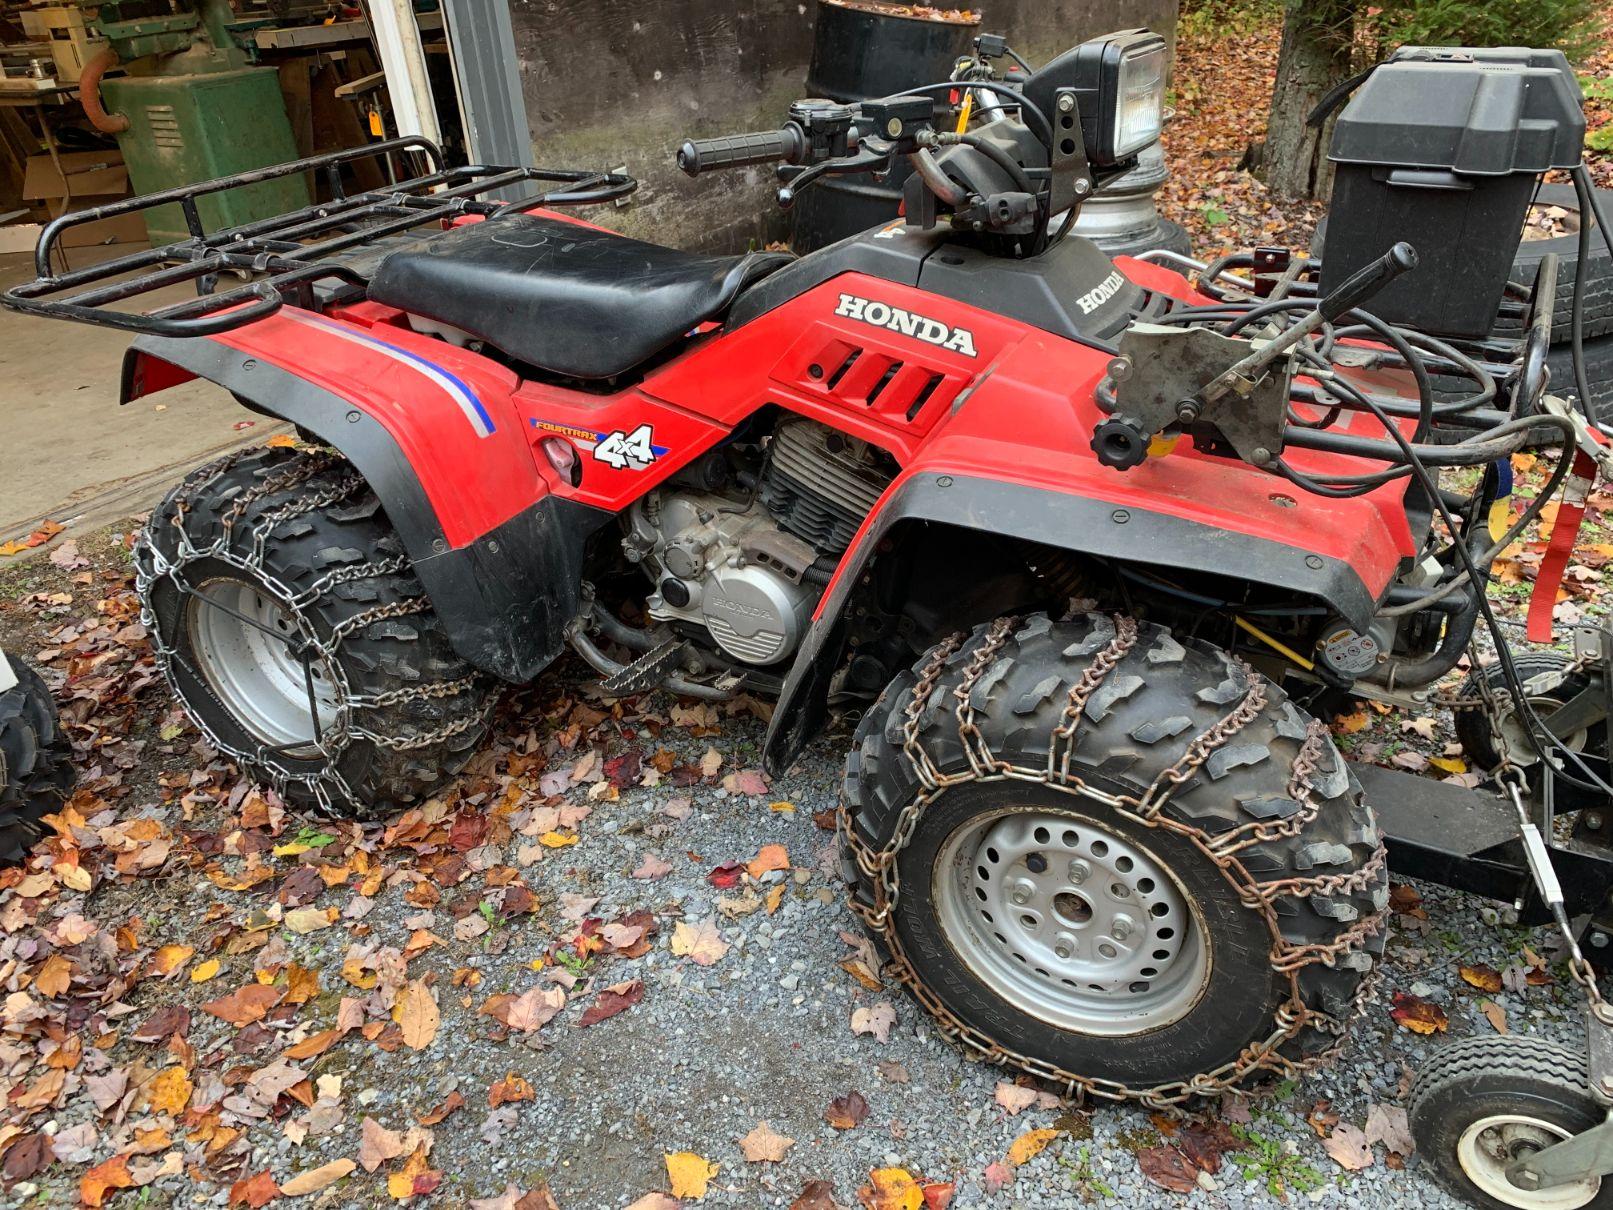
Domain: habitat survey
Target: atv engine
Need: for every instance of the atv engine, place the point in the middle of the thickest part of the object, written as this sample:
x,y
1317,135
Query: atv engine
x,y
745,567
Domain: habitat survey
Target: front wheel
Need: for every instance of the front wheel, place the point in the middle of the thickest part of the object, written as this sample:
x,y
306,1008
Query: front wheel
x,y
1482,1104
1117,860
290,625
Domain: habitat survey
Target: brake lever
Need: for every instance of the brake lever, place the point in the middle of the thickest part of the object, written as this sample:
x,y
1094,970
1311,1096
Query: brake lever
x,y
866,160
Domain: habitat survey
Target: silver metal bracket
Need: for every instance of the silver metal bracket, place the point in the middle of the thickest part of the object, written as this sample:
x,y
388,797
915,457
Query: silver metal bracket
x,y
1161,374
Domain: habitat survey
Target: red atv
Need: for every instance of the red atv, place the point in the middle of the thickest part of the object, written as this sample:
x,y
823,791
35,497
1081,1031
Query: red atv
x,y
1086,546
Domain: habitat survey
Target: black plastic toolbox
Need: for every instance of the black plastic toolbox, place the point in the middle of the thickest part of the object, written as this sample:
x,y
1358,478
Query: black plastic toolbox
x,y
1442,147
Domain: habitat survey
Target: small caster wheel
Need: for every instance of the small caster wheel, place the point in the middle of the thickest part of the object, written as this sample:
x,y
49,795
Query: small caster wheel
x,y
1482,1104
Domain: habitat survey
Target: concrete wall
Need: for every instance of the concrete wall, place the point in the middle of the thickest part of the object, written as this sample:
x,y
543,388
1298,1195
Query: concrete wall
x,y
623,82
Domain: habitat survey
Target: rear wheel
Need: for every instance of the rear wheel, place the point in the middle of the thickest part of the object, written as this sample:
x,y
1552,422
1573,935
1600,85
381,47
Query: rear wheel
x,y
1481,1104
1113,858
36,771
290,625
1550,680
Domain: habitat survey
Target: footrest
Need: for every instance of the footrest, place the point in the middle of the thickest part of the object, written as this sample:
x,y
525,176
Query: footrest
x,y
646,672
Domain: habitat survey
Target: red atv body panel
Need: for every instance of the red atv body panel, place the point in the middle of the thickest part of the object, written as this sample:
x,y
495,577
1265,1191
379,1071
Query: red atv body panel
x,y
989,418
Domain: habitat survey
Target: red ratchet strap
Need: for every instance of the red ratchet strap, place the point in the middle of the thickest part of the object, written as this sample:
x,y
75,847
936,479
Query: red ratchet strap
x,y
1564,533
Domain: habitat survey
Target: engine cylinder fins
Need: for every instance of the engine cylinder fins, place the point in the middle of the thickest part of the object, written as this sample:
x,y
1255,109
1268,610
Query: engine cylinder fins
x,y
820,483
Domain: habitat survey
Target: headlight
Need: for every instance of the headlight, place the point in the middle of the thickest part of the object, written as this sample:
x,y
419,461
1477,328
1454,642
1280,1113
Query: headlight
x,y
1119,80
1139,98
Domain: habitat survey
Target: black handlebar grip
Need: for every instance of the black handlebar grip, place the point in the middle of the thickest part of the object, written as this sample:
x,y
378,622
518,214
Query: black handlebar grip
x,y
736,150
1364,283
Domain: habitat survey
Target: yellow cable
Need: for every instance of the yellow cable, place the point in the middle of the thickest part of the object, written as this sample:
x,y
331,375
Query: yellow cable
x,y
1276,644
966,110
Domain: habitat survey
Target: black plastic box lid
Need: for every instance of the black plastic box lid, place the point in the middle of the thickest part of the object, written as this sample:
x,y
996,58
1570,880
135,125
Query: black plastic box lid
x,y
1483,111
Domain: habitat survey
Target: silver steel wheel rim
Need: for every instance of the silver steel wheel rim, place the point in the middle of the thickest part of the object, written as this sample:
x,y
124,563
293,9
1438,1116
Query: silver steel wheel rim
x,y
1520,748
255,675
1491,1144
1070,922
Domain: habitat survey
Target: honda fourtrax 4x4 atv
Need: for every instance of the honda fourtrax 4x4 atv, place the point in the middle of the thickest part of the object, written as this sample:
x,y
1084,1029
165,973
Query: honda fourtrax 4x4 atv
x,y
1086,544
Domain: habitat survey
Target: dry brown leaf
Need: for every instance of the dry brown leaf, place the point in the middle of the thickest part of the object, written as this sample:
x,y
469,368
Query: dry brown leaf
x,y
846,1112
764,1145
701,943
416,1014
316,1179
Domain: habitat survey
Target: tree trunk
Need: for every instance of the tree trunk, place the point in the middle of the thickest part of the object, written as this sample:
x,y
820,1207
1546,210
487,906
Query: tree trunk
x,y
1315,55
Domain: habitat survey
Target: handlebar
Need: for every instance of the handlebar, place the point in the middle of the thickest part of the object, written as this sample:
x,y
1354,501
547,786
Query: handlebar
x,y
1366,282
737,150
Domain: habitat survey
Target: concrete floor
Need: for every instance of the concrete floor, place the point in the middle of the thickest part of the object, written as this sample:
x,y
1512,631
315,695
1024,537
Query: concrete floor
x,y
68,452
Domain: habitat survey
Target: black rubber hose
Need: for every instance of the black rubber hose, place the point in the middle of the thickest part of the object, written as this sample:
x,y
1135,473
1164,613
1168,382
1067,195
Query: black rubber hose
x,y
1588,204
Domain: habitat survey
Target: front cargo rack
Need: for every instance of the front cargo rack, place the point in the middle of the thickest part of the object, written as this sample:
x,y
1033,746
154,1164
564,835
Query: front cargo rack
x,y
280,258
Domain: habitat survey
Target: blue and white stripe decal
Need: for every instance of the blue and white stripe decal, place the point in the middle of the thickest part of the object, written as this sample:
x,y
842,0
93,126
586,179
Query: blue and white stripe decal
x,y
456,388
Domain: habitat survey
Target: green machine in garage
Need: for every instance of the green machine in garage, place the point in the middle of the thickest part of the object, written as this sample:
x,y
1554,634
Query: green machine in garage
x,y
190,107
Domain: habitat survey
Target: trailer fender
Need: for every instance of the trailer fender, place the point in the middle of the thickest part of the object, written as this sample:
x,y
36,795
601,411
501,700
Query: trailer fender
x,y
500,558
1061,519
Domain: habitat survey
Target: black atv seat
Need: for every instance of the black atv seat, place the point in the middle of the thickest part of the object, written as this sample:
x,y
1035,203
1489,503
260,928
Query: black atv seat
x,y
568,299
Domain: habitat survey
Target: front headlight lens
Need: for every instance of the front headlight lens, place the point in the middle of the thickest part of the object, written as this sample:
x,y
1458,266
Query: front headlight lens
x,y
1140,99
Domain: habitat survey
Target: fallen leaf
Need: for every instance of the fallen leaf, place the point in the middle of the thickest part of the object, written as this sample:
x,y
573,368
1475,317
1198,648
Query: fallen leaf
x,y
54,976
689,1174
611,1001
1030,1144
1485,978
771,857
416,1014
103,1179
892,1189
512,1089
1015,1098
306,920
876,1019
651,1201
1495,1015
205,971
999,1175
377,1144
1417,1014
316,1179
170,958
764,1145
452,1102
652,867
534,1008
1387,1124
1349,1147
251,1003
1169,1168
701,943
170,1091
254,1191
846,1112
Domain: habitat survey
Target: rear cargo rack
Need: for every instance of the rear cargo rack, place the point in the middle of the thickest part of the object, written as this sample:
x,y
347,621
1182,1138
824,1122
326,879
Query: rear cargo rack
x,y
281,257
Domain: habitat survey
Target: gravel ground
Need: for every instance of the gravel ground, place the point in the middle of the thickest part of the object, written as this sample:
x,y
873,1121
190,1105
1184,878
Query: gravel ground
x,y
763,1034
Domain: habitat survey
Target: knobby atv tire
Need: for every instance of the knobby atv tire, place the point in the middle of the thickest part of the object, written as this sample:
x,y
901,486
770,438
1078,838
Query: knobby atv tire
x,y
36,771
304,525
1481,1077
1161,695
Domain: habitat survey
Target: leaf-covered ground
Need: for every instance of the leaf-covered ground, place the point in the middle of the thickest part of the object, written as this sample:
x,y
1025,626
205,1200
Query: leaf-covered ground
x,y
612,965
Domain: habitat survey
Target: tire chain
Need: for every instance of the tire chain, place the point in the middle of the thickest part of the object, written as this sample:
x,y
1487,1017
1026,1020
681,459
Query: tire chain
x,y
1497,705
335,742
1288,959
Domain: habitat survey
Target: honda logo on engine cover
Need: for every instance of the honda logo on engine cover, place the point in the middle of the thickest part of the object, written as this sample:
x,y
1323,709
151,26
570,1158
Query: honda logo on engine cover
x,y
931,331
